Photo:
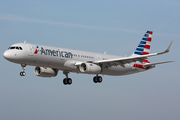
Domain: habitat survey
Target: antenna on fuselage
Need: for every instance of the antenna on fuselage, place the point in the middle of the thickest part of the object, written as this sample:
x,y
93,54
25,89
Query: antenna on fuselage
x,y
25,41
105,52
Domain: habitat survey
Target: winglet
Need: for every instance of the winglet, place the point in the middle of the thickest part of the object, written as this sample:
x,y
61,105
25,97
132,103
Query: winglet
x,y
167,50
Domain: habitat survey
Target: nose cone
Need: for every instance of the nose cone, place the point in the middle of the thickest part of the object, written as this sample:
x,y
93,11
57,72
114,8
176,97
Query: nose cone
x,y
7,55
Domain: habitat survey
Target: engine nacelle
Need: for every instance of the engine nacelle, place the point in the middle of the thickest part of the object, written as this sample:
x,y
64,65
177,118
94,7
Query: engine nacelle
x,y
90,68
45,72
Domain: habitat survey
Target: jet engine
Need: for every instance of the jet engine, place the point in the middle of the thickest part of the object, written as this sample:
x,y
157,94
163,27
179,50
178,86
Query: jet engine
x,y
45,72
90,68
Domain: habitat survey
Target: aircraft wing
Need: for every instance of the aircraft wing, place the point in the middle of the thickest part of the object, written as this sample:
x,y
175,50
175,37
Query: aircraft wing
x,y
124,60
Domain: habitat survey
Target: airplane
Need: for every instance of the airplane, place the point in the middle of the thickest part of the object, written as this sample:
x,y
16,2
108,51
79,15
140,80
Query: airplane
x,y
49,60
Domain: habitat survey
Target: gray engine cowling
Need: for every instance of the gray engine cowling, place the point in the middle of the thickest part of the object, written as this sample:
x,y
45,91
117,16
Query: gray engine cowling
x,y
90,68
45,72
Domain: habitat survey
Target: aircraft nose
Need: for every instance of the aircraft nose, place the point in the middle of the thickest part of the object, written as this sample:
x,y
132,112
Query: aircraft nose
x,y
7,55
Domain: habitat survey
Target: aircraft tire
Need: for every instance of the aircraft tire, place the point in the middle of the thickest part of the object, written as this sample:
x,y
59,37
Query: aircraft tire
x,y
22,73
65,81
69,81
99,79
95,79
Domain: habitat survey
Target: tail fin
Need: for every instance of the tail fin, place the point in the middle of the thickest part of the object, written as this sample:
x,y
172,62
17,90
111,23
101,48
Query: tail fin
x,y
144,45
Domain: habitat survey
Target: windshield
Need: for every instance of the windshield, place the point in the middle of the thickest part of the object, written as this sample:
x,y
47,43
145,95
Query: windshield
x,y
16,47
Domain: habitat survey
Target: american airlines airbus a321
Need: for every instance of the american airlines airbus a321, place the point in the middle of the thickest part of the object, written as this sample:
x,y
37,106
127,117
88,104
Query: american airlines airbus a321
x,y
49,60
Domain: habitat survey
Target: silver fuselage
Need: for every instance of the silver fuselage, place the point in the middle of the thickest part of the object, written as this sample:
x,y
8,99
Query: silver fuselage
x,y
64,59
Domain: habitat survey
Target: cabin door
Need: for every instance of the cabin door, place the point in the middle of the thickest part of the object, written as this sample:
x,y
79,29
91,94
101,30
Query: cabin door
x,y
30,50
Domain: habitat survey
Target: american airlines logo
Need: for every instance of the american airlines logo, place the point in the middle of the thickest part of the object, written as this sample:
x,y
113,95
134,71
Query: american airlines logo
x,y
36,51
56,53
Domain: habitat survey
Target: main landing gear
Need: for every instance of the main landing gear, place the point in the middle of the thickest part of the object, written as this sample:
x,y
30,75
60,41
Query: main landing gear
x,y
97,79
23,70
67,81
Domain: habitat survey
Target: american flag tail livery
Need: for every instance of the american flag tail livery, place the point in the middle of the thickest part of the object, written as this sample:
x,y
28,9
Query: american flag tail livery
x,y
144,45
144,49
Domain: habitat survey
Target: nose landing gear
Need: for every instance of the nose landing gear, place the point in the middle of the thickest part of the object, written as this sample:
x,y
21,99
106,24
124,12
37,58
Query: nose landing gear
x,y
23,70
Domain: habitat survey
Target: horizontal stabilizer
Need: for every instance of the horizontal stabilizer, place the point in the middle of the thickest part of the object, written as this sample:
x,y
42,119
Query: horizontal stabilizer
x,y
149,64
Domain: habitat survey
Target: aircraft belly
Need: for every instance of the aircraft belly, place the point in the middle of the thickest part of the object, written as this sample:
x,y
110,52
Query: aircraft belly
x,y
45,61
118,70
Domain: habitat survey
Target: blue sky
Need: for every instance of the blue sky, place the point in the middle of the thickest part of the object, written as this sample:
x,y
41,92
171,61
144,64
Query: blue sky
x,y
98,25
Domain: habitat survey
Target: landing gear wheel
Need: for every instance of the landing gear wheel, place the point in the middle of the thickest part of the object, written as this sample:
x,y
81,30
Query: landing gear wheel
x,y
22,73
99,79
95,79
67,81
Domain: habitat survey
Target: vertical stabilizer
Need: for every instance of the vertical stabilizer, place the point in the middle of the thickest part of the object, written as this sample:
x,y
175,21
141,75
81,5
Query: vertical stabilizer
x,y
144,45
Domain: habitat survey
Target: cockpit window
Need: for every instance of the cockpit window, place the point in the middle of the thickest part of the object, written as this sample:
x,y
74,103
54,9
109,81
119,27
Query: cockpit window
x,y
12,47
16,47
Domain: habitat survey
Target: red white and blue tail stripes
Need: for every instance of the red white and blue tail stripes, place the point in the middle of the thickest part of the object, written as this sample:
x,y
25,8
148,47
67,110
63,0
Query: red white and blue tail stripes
x,y
145,44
